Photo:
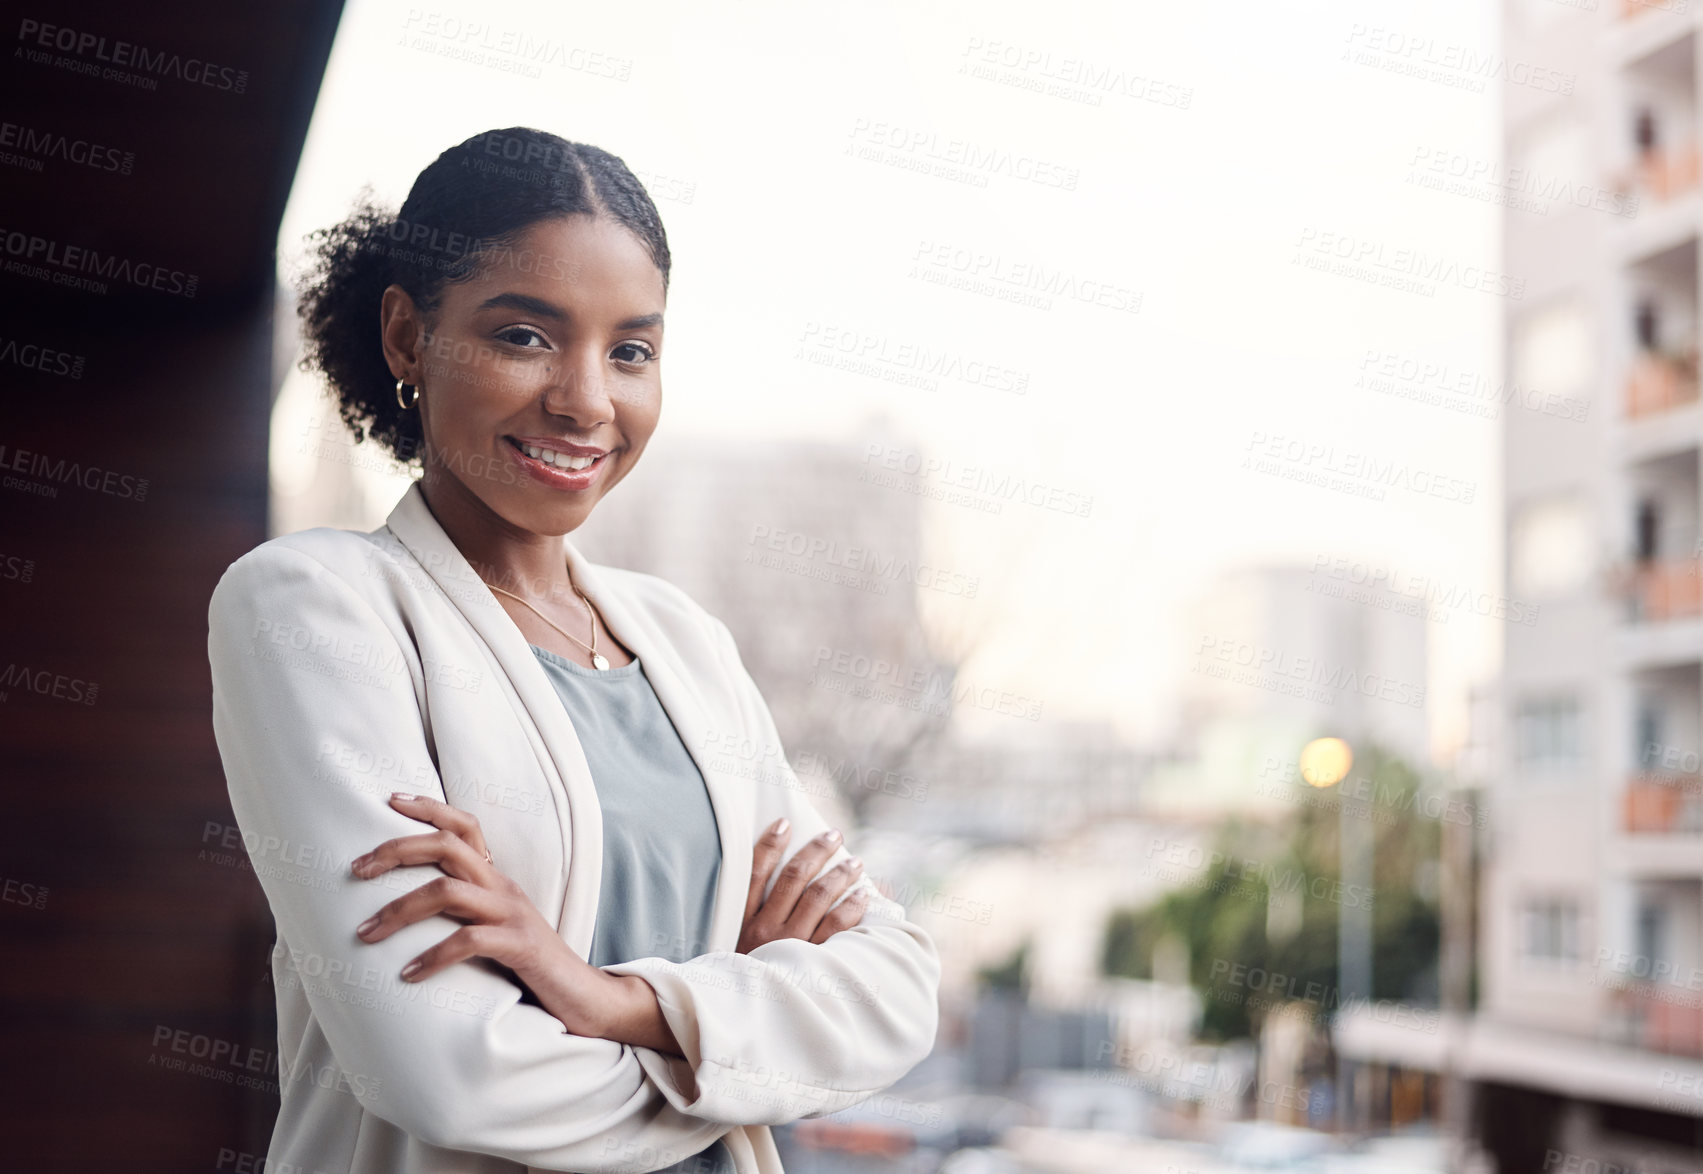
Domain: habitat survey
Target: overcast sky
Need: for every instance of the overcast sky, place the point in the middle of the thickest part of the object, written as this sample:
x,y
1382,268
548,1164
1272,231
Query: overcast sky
x,y
1204,150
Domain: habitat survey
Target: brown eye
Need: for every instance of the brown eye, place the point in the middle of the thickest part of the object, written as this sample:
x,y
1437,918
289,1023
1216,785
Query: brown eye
x,y
642,352
518,335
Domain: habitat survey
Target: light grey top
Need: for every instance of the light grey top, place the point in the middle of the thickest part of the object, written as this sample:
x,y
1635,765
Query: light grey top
x,y
661,846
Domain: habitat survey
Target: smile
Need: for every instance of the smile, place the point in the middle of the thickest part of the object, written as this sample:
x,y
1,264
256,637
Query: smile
x,y
558,470
561,460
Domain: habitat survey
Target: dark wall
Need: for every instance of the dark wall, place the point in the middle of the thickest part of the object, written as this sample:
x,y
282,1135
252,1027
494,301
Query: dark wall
x,y
146,152
1523,1129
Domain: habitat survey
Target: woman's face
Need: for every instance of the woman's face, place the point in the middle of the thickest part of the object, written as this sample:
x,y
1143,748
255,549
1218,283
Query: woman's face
x,y
547,358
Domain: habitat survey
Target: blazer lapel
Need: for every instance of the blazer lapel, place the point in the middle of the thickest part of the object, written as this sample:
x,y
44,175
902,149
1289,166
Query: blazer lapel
x,y
566,771
576,796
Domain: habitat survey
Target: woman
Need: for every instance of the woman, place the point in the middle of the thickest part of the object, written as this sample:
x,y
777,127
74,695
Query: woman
x,y
597,926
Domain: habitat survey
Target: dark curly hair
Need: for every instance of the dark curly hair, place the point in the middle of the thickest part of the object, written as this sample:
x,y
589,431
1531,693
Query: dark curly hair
x,y
476,197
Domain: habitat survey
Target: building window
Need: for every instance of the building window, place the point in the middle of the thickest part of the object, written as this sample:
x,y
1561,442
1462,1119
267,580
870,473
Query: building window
x,y
1549,932
1646,324
1651,930
1644,130
1553,349
1547,735
1550,548
1647,531
1649,725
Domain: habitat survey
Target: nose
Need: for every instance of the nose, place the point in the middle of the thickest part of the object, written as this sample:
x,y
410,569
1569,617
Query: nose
x,y
579,389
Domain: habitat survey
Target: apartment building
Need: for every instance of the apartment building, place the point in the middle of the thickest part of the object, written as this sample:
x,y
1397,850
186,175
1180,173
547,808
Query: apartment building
x,y
1588,1036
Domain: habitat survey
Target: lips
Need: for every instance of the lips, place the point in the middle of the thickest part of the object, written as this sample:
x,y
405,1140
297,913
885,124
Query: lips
x,y
559,453
556,465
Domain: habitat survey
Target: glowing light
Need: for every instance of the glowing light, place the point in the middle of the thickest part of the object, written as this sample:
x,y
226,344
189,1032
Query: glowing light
x,y
1325,761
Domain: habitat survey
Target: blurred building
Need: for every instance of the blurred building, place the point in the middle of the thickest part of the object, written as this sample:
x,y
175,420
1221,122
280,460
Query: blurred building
x,y
1588,1037
823,578
1281,655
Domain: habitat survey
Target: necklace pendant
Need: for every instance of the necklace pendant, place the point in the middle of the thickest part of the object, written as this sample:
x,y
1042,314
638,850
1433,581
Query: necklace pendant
x,y
599,661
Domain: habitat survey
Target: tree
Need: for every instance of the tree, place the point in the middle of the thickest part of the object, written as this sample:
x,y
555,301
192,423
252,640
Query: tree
x,y
1245,957
1010,975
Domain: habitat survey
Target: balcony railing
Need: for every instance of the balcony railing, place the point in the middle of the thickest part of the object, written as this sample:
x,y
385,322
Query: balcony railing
x,y
1661,589
1660,173
1663,804
1668,173
1658,383
1659,1017
1634,7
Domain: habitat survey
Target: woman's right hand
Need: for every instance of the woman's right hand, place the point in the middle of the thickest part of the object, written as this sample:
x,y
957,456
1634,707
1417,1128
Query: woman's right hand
x,y
794,910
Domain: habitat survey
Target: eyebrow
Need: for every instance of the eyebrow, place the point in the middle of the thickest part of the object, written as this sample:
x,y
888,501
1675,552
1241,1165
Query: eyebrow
x,y
544,309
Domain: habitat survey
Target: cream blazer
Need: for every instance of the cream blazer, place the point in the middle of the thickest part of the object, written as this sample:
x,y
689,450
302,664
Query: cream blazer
x,y
348,665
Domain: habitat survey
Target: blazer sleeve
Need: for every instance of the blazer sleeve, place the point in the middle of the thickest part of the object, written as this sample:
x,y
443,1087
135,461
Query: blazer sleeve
x,y
299,662
794,1029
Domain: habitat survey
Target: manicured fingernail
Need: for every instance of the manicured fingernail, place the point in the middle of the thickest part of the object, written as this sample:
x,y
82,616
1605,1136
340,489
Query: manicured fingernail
x,y
367,926
360,863
854,863
832,835
780,826
403,795
411,969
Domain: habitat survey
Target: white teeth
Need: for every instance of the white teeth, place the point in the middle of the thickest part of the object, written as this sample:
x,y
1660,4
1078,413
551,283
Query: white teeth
x,y
560,459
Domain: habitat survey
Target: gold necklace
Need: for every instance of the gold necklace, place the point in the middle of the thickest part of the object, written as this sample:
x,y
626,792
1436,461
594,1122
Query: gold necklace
x,y
598,662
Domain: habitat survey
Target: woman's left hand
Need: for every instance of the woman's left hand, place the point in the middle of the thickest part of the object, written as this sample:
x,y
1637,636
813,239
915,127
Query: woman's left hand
x,y
502,923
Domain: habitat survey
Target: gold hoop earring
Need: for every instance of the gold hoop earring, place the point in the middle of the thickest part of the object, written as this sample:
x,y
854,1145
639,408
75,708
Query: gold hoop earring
x,y
410,403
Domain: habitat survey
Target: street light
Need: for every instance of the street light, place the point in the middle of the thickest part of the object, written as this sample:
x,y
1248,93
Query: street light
x,y
1325,762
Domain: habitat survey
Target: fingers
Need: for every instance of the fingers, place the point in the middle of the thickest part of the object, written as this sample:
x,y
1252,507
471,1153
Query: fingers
x,y
441,815
842,916
470,941
445,849
770,845
792,879
471,889
443,895
816,899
